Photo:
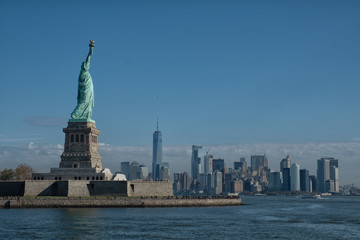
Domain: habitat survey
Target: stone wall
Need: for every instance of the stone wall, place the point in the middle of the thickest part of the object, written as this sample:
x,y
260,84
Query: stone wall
x,y
85,188
78,188
39,188
12,188
62,188
150,188
109,188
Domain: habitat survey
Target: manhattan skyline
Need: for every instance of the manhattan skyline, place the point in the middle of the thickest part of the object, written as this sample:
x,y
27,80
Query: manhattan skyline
x,y
242,78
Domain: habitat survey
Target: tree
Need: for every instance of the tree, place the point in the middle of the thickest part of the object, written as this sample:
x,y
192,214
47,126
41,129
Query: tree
x,y
23,172
7,174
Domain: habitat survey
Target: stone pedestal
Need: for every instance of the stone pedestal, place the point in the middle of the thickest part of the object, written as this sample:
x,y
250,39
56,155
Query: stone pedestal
x,y
81,146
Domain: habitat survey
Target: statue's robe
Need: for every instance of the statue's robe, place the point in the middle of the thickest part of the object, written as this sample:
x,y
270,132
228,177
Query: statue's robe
x,y
85,97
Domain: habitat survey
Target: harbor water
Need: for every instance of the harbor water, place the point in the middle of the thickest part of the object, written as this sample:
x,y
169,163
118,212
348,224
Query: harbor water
x,y
261,217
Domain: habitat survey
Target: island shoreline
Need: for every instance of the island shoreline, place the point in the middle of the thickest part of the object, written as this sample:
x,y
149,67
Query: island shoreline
x,y
113,202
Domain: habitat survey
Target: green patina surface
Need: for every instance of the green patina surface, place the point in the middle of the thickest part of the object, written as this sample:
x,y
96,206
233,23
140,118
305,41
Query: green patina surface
x,y
85,96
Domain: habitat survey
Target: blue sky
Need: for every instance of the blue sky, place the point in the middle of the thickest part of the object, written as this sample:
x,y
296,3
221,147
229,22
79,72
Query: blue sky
x,y
217,73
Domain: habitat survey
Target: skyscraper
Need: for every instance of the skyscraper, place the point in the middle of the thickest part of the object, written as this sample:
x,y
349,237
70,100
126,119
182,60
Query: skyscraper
x,y
208,164
143,172
304,180
285,163
323,173
125,169
241,165
157,153
295,177
218,182
185,182
333,162
275,181
182,182
219,164
313,183
328,175
229,178
334,173
286,179
165,171
195,162
209,182
258,163
134,168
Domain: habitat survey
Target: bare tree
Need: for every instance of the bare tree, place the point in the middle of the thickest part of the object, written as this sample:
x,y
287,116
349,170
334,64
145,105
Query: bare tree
x,y
23,172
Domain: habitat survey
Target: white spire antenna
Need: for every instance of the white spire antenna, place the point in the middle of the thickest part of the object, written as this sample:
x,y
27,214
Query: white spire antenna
x,y
157,124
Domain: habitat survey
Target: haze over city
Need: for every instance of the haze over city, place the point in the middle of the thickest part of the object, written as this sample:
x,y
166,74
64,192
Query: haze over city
x,y
239,78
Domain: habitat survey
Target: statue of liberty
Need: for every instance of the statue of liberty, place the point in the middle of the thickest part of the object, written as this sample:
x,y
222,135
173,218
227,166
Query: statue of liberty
x,y
85,96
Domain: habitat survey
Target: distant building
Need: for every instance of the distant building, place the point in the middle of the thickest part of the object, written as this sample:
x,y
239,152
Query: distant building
x,y
237,186
241,165
334,176
295,177
143,172
125,169
329,185
219,165
182,183
157,153
229,178
285,163
176,183
259,163
186,182
334,173
333,162
328,175
195,162
275,182
208,164
286,180
304,180
313,183
202,180
218,182
165,171
134,168
323,173
256,187
247,185
209,183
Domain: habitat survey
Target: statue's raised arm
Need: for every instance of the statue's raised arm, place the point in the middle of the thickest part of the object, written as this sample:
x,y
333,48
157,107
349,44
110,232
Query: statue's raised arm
x,y
91,45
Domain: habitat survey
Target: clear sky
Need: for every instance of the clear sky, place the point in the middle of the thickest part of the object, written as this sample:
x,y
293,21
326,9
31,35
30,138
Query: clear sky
x,y
244,77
